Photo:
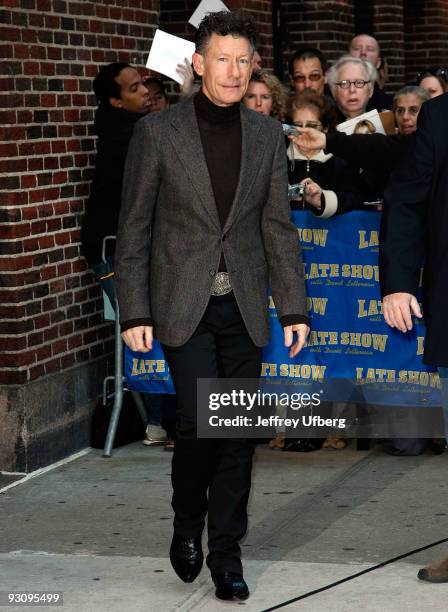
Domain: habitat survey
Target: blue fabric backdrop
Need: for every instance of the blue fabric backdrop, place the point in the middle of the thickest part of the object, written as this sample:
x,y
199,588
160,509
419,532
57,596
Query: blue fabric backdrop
x,y
350,346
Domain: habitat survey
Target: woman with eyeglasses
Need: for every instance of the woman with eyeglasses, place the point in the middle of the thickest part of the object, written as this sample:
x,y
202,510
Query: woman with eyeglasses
x,y
331,184
265,94
434,80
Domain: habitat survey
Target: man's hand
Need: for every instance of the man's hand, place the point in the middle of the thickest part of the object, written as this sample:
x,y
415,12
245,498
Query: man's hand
x,y
398,308
302,334
313,193
309,138
138,338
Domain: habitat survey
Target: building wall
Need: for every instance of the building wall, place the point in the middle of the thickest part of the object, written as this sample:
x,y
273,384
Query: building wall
x,y
51,321
425,35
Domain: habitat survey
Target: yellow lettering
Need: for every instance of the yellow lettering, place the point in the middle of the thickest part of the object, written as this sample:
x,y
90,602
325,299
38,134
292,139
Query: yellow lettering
x,y
317,305
379,342
134,371
160,365
368,241
420,345
320,237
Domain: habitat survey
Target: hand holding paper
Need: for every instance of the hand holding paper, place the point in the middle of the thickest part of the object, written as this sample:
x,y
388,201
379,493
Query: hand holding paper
x,y
167,51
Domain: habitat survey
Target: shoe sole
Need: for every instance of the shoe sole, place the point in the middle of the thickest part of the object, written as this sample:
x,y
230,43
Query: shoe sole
x,y
423,575
153,442
234,598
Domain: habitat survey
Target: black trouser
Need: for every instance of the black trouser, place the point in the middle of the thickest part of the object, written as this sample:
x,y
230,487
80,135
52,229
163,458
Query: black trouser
x,y
220,347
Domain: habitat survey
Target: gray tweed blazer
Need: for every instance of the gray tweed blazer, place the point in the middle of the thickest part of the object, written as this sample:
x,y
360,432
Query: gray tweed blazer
x,y
170,240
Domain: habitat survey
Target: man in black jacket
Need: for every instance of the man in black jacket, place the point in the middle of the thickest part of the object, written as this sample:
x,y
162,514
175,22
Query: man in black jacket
x,y
415,226
123,100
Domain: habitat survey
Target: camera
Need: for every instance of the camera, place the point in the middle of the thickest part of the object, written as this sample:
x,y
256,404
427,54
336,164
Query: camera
x,y
289,130
295,192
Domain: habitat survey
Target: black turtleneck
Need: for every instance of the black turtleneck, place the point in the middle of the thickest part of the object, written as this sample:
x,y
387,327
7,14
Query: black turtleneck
x,y
220,131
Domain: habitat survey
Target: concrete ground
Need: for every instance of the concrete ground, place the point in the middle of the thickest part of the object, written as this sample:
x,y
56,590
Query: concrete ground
x,y
98,530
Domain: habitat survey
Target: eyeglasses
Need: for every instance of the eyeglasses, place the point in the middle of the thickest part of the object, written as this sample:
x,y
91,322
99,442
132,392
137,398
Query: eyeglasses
x,y
300,78
358,83
437,71
308,124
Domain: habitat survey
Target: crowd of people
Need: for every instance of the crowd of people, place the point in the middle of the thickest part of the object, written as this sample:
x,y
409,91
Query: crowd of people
x,y
339,173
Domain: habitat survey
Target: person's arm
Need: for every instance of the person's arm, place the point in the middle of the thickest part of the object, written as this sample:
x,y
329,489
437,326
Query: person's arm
x,y
342,192
132,254
363,150
402,237
283,254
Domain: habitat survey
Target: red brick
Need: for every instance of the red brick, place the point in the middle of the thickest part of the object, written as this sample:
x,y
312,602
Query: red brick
x,y
28,181
13,377
8,149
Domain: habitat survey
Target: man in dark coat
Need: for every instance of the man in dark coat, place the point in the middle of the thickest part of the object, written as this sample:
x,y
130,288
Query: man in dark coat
x,y
415,227
122,100
213,189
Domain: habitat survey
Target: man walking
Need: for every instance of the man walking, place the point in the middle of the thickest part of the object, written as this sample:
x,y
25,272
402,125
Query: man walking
x,y
415,226
208,180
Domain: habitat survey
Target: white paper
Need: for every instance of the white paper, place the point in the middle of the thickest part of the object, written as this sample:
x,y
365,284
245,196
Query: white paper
x,y
349,126
167,51
204,7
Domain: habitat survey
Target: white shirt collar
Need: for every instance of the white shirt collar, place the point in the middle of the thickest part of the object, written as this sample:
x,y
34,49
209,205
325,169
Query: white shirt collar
x,y
294,153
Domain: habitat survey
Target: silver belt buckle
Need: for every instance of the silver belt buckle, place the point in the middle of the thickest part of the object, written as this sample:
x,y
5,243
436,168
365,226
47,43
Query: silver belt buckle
x,y
221,284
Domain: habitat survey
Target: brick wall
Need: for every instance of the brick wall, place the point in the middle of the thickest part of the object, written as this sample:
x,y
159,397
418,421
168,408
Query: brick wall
x,y
54,343
389,31
50,313
426,40
325,24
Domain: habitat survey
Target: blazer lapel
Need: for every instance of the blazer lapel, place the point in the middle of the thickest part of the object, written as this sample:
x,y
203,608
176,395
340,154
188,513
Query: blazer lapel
x,y
252,151
187,142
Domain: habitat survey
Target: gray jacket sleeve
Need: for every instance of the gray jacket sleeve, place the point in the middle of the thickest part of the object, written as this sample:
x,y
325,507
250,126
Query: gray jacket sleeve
x,y
281,241
132,255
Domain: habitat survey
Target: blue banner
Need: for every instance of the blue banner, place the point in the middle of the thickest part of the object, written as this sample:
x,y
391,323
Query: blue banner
x,y
351,351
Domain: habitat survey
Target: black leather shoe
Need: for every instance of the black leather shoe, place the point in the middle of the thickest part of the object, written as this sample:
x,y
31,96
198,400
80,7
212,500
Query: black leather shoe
x,y
186,557
230,586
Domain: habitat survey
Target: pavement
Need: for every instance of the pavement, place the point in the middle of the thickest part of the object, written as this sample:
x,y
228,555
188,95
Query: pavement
x,y
98,530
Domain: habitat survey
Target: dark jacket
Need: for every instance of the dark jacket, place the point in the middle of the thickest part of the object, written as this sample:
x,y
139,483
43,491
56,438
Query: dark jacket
x,y
415,225
380,100
338,180
114,127
376,154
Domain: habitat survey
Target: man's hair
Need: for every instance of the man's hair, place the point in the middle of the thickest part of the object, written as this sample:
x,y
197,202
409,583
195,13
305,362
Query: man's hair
x,y
333,72
415,90
236,23
104,84
305,53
